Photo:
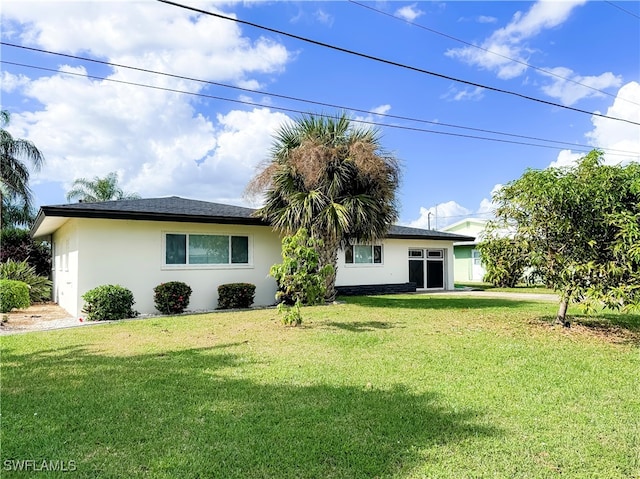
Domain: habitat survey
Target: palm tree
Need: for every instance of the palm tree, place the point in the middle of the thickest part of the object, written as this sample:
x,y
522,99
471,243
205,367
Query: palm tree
x,y
332,178
99,189
14,174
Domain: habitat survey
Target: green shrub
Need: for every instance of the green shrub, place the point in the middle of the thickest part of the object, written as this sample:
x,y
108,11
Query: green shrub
x,y
236,295
13,295
40,286
172,297
300,278
108,302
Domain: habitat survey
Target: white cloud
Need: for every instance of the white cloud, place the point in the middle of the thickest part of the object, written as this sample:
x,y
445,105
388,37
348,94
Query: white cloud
x,y
570,92
409,12
12,82
155,139
510,41
611,134
487,19
468,93
444,214
324,17
440,215
375,112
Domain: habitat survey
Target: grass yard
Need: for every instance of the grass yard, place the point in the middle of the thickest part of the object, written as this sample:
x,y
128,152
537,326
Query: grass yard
x,y
408,386
519,288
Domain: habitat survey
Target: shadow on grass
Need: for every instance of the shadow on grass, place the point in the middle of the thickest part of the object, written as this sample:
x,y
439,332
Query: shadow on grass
x,y
625,327
194,413
361,326
434,302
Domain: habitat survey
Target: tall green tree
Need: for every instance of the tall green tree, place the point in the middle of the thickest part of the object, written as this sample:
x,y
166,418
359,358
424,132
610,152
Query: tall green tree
x,y
98,190
15,193
331,177
581,228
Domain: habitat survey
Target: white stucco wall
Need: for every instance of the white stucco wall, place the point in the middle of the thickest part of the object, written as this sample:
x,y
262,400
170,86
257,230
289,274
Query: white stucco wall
x,y
131,254
65,266
395,264
94,252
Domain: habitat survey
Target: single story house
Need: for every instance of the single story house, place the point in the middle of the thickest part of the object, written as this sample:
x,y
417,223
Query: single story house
x,y
467,263
141,243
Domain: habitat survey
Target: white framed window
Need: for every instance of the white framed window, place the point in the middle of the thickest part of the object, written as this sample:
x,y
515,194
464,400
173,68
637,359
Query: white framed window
x,y
363,254
475,256
195,249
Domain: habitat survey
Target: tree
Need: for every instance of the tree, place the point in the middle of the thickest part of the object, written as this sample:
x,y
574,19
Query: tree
x,y
14,173
581,226
99,189
504,260
332,178
300,278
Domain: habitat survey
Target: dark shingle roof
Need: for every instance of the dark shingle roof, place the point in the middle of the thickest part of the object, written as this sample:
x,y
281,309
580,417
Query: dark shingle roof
x,y
174,208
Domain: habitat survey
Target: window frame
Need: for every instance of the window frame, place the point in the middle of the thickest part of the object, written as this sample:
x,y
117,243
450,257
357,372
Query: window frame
x,y
187,265
373,262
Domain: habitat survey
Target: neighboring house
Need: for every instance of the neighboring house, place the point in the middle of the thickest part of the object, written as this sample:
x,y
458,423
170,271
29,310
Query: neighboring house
x,y
468,266
141,243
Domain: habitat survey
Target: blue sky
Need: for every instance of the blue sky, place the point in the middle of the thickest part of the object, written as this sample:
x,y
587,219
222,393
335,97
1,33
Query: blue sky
x,y
577,54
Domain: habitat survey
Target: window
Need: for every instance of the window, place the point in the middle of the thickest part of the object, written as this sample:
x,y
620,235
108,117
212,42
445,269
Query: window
x,y
475,255
363,254
196,249
416,253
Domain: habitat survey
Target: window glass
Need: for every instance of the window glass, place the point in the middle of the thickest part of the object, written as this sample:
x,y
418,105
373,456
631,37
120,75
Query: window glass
x,y
176,249
377,254
363,254
348,254
208,249
239,249
416,253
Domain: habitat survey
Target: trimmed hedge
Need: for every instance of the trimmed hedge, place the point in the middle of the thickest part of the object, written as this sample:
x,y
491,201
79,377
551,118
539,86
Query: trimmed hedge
x,y
13,295
236,295
108,302
172,297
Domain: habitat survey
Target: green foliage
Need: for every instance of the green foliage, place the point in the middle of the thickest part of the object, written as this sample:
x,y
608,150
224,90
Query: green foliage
x,y
172,297
18,245
236,295
580,226
14,173
108,302
504,261
99,189
39,286
13,295
301,279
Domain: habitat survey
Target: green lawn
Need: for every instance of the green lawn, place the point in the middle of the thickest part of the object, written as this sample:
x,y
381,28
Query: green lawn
x,y
409,386
519,288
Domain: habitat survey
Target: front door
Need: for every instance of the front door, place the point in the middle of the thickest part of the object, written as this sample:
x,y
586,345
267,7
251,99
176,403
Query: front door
x,y
426,268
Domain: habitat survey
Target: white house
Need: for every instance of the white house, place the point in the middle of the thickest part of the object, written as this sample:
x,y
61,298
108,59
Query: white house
x,y
141,243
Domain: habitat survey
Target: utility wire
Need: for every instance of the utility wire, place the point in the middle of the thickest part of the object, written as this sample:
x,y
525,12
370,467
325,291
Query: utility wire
x,y
520,62
393,63
624,10
290,110
341,107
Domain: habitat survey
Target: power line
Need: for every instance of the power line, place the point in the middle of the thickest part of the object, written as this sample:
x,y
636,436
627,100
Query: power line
x,y
459,40
393,63
398,117
624,10
290,110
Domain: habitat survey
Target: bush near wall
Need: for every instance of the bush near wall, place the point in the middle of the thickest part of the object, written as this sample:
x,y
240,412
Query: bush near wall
x,y
13,295
39,286
236,295
108,302
172,297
